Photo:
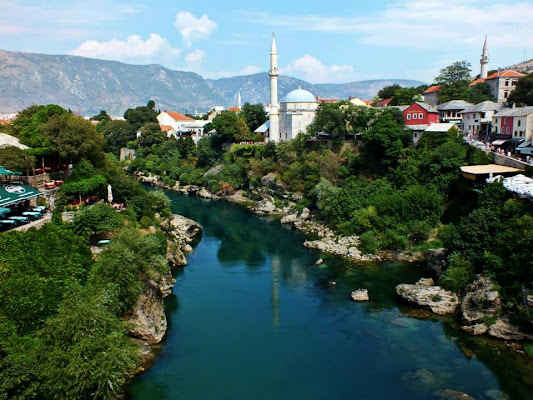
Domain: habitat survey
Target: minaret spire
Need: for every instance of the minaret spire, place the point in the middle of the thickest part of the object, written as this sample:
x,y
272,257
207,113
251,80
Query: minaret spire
x,y
273,130
239,102
484,61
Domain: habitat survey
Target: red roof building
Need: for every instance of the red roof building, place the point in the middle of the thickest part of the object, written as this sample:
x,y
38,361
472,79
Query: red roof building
x,y
501,83
176,116
431,95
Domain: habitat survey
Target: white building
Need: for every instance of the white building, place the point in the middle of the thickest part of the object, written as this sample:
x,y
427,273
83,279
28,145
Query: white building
x,y
477,119
294,114
177,125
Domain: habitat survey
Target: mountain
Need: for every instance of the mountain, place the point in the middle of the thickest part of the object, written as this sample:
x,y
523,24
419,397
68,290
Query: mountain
x,y
88,85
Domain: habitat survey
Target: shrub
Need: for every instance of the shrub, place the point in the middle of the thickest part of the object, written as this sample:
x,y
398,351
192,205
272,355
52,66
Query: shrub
x,y
368,243
458,274
392,240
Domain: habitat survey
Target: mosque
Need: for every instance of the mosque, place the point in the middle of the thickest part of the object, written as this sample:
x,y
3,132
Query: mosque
x,y
293,114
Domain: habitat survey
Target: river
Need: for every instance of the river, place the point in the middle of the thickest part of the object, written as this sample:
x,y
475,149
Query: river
x,y
253,317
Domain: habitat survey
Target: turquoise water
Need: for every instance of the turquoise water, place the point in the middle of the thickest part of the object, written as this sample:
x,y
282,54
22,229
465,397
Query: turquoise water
x,y
253,317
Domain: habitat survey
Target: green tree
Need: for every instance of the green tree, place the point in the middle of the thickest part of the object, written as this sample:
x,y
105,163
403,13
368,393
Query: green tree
x,y
388,91
405,96
16,159
74,138
254,115
141,115
523,93
455,79
102,117
117,134
330,119
480,92
27,127
230,127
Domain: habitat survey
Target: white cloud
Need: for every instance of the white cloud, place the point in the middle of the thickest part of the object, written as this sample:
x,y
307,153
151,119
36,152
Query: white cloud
x,y
313,70
155,49
194,60
192,28
249,70
423,24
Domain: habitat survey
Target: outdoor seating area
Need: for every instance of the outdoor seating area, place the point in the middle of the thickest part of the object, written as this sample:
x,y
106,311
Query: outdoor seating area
x,y
16,216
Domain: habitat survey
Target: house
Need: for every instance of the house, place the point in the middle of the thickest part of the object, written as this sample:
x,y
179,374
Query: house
x,y
418,117
356,101
449,111
501,83
383,103
431,95
513,125
321,100
477,119
176,124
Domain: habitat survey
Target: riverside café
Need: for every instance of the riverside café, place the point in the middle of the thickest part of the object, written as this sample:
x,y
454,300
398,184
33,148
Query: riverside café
x,y
16,194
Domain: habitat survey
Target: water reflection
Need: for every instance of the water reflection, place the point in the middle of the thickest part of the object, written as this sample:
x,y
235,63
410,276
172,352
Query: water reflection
x,y
258,318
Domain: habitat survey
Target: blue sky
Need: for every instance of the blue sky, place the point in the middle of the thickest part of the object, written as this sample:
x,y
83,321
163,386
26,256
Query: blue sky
x,y
318,41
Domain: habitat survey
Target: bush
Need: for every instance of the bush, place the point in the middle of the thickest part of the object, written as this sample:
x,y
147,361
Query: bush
x,y
368,243
458,274
392,240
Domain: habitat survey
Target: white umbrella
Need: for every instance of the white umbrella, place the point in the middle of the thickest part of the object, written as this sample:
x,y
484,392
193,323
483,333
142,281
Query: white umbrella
x,y
109,194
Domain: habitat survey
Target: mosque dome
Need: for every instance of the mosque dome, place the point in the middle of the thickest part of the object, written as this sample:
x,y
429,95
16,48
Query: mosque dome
x,y
300,96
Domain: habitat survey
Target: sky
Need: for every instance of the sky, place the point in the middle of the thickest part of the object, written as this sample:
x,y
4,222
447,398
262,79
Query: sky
x,y
317,41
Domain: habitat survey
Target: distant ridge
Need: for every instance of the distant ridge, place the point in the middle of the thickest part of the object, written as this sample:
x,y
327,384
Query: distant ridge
x,y
525,66
87,85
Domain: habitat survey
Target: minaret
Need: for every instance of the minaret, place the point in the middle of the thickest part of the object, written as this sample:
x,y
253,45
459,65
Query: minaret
x,y
239,103
273,130
484,61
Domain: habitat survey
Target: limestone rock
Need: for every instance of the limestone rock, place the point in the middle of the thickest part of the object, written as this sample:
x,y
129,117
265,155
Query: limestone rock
x,y
448,394
494,394
438,300
421,380
360,295
266,206
503,329
305,214
148,322
206,194
436,261
289,219
181,228
271,182
425,282
214,170
319,261
481,301
477,329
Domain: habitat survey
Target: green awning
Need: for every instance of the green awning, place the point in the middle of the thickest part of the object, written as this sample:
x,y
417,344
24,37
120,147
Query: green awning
x,y
10,194
4,171
4,211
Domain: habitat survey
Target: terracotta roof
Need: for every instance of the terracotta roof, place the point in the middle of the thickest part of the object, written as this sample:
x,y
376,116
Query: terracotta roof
x,y
433,89
176,116
166,128
6,121
506,74
369,102
477,81
384,102
321,100
234,109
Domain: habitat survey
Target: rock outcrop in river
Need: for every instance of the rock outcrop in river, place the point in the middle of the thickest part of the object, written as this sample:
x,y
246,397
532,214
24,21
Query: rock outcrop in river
x,y
425,294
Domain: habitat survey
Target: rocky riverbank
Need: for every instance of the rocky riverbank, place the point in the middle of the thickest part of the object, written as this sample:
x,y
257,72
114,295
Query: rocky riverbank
x,y
147,320
479,309
473,310
328,241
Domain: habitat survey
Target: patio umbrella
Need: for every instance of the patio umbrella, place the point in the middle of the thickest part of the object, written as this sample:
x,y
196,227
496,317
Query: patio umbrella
x,y
109,194
4,171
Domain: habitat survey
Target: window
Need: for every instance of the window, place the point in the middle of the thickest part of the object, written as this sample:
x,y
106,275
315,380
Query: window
x,y
513,83
519,122
420,116
508,130
506,94
506,83
505,120
408,116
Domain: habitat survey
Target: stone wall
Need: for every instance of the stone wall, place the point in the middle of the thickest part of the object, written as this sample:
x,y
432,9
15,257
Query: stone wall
x,y
500,159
